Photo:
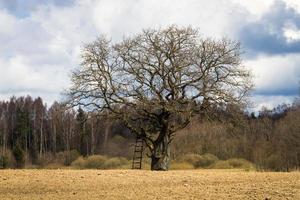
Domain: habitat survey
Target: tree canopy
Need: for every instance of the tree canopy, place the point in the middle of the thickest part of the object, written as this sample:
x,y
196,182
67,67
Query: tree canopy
x,y
155,81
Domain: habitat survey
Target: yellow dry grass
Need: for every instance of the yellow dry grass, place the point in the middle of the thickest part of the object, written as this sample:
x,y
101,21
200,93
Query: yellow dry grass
x,y
130,184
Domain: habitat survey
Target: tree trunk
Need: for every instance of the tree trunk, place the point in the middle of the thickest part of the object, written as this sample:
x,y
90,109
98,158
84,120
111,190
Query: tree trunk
x,y
92,138
41,138
160,157
54,139
106,133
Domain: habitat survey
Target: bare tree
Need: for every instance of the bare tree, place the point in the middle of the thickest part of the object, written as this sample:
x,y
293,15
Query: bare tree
x,y
155,81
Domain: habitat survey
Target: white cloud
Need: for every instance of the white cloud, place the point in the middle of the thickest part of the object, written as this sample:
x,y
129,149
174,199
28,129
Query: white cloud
x,y
292,34
270,102
276,73
255,7
38,52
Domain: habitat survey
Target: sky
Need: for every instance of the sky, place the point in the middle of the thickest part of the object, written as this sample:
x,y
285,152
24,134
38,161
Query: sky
x,y
41,40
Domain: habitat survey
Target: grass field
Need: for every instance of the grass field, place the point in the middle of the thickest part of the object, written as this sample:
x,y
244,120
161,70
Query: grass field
x,y
129,184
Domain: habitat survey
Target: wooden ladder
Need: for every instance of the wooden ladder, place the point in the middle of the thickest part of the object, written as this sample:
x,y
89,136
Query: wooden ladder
x,y
138,154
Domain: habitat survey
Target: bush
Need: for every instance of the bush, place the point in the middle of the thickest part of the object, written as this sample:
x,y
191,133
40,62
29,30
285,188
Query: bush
x,y
199,161
7,160
100,162
19,156
221,164
273,163
95,162
73,155
116,162
181,165
79,163
240,163
190,158
119,138
46,159
91,162
206,160
3,161
54,166
66,158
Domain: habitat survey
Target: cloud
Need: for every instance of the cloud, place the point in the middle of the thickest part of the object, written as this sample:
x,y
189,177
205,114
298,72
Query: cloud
x,y
276,75
269,33
21,9
38,51
270,102
41,40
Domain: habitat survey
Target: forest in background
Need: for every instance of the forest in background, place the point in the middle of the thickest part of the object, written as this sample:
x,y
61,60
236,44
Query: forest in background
x,y
32,134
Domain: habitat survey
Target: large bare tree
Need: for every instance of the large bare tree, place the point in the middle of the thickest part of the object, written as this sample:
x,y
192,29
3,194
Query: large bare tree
x,y
155,81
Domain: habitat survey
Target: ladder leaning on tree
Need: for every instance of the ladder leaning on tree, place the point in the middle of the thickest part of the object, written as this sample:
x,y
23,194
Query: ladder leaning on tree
x,y
138,154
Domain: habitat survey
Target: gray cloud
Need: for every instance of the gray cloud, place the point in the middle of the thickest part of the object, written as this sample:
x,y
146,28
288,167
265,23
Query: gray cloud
x,y
267,35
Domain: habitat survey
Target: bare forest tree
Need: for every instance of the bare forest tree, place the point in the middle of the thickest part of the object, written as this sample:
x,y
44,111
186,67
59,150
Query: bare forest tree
x,y
155,81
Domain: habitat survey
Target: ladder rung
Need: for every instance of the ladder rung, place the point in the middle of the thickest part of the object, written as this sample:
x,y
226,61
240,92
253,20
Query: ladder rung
x,y
138,154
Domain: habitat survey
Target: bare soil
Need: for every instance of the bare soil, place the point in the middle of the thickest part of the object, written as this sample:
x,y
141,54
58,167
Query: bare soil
x,y
135,184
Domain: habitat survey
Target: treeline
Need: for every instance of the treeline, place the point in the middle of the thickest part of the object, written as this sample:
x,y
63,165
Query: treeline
x,y
31,133
270,140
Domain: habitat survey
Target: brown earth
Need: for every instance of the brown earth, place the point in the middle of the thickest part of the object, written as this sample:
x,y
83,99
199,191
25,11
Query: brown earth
x,y
130,184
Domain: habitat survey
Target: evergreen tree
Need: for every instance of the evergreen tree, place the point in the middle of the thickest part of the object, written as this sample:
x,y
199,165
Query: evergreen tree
x,y
82,131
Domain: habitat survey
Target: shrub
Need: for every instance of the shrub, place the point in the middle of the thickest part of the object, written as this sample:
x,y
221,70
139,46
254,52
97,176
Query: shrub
x,y
91,162
119,138
54,166
100,162
3,161
221,164
240,163
45,159
19,156
79,163
206,160
273,162
66,158
95,162
7,160
73,155
199,161
181,165
190,158
115,162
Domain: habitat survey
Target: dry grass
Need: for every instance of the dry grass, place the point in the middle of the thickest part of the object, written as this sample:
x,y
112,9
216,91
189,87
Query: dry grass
x,y
130,184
